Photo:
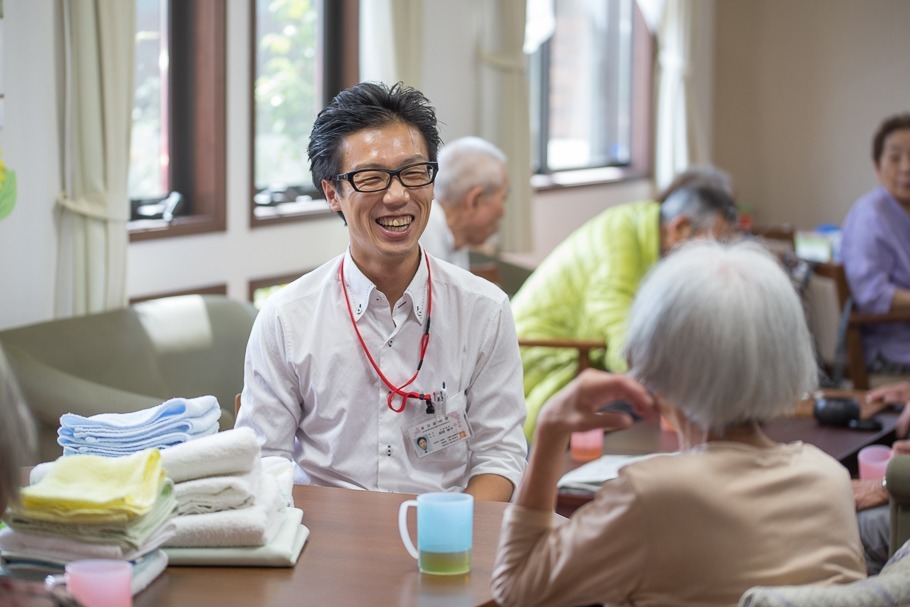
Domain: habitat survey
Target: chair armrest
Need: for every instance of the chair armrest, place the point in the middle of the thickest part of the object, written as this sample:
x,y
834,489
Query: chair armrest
x,y
897,478
897,481
869,318
584,347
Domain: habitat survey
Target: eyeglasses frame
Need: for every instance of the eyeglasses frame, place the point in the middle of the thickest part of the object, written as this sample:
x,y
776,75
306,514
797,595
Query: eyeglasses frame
x,y
349,176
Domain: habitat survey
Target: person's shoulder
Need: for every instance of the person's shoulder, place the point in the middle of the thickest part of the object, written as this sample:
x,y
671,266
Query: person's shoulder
x,y
309,284
866,213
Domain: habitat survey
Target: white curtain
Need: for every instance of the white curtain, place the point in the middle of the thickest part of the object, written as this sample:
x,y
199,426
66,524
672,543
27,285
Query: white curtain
x,y
678,141
94,208
391,41
503,108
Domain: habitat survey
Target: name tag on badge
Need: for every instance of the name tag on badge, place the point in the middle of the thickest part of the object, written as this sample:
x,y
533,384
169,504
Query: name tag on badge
x,y
439,432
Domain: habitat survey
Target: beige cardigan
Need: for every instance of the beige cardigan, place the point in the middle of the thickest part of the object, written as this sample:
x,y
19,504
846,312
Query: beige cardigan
x,y
698,528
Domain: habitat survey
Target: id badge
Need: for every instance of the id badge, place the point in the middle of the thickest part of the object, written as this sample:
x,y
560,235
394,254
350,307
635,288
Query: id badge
x,y
438,433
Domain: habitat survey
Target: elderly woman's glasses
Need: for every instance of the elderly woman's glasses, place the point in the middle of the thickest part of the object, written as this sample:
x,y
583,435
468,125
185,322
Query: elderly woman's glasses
x,y
376,180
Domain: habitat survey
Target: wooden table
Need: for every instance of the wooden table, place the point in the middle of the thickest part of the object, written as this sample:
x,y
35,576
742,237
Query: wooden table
x,y
354,556
646,436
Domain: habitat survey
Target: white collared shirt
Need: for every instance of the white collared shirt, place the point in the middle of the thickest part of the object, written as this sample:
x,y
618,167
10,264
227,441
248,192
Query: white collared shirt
x,y
312,396
437,239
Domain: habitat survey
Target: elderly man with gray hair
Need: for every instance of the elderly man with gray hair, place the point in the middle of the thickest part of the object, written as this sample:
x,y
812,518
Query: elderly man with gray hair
x,y
470,195
584,288
717,344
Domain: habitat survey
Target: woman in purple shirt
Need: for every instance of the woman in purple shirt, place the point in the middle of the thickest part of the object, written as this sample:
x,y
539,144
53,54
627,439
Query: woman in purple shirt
x,y
876,247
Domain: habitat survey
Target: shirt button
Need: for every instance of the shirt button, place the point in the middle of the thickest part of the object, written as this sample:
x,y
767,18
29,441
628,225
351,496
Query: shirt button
x,y
388,450
390,343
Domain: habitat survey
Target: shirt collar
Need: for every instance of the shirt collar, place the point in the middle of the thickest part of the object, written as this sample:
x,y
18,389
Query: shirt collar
x,y
360,288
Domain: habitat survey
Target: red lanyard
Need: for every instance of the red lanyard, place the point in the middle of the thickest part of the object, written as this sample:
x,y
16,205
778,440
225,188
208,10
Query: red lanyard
x,y
424,342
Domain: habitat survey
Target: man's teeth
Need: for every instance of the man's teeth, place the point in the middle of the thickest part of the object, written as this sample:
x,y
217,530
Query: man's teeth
x,y
395,223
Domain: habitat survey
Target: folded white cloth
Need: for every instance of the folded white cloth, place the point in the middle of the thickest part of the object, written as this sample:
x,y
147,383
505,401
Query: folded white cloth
x,y
282,470
65,549
147,569
217,493
253,526
229,452
282,551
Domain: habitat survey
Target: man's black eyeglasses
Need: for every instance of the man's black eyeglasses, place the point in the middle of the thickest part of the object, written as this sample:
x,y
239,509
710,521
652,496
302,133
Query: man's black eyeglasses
x,y
376,180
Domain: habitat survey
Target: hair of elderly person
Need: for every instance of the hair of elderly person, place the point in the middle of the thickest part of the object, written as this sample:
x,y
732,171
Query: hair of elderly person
x,y
897,122
17,433
367,105
719,331
466,163
702,203
698,174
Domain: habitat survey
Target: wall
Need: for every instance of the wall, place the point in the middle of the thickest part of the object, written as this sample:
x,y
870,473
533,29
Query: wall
x,y
799,89
30,142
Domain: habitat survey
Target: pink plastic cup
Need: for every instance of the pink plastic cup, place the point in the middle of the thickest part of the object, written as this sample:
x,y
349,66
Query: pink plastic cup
x,y
587,446
97,582
873,461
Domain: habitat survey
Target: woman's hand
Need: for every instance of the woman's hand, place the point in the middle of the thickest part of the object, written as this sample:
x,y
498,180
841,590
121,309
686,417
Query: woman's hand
x,y
896,393
577,407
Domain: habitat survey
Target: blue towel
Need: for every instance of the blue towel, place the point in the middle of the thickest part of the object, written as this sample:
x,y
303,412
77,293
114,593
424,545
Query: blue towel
x,y
114,434
112,448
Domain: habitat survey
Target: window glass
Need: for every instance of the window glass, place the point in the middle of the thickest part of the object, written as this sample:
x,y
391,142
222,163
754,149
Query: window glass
x,y
148,177
288,94
581,87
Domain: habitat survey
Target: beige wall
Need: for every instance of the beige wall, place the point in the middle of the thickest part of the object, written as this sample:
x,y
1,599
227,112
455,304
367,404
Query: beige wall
x,y
799,88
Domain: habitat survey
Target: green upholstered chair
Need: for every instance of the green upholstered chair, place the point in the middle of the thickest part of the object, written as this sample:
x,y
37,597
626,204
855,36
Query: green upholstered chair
x,y
130,359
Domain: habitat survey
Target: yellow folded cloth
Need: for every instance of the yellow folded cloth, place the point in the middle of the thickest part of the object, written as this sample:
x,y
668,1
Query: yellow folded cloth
x,y
94,489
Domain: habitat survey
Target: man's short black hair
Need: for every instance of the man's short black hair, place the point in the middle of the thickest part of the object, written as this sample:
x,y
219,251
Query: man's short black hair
x,y
367,105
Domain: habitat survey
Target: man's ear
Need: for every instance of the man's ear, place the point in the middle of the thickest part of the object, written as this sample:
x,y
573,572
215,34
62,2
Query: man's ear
x,y
332,195
679,229
472,198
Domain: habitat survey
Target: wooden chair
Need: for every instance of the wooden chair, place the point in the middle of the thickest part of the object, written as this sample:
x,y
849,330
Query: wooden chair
x,y
829,296
584,347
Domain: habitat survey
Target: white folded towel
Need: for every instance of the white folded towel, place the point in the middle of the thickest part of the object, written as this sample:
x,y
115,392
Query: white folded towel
x,y
282,551
147,569
217,493
60,548
253,526
229,452
282,470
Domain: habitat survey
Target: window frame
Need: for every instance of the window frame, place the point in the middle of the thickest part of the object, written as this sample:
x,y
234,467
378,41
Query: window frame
x,y
206,117
340,70
642,119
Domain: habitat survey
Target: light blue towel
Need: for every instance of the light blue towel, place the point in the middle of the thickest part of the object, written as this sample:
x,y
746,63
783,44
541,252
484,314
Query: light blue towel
x,y
145,419
186,425
115,434
115,448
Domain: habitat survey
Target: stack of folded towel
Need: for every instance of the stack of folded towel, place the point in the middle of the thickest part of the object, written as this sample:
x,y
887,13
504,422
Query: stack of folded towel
x,y
173,422
88,506
232,504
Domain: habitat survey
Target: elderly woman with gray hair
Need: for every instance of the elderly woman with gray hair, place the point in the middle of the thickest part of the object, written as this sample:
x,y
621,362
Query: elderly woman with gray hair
x,y
717,344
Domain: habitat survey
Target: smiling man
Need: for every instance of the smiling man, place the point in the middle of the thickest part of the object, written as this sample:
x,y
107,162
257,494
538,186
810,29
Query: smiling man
x,y
344,369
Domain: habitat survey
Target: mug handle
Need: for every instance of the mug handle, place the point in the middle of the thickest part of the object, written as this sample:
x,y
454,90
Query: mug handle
x,y
51,582
403,526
